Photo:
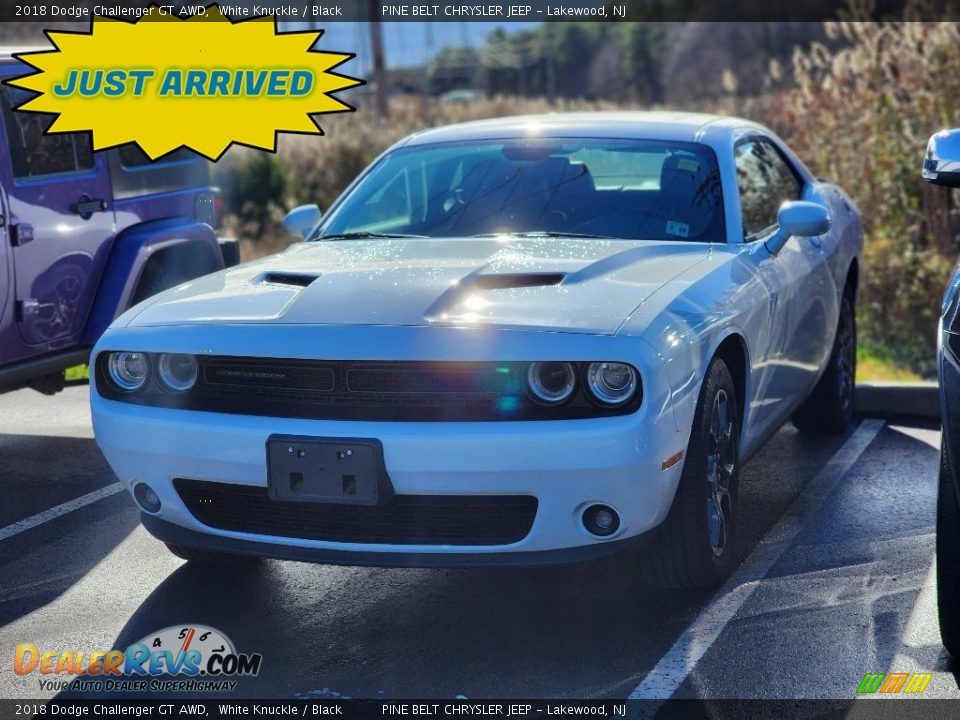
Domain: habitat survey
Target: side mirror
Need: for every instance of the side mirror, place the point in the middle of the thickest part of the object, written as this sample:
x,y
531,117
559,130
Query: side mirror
x,y
941,164
798,217
302,219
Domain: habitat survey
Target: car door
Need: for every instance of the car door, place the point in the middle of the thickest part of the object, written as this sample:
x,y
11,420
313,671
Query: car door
x,y
60,225
797,279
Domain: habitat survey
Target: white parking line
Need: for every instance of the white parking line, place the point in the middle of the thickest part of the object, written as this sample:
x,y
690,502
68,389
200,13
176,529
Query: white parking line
x,y
680,660
55,512
920,647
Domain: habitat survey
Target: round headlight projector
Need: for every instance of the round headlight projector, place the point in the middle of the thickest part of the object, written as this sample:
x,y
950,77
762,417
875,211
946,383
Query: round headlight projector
x,y
128,370
551,382
177,372
611,383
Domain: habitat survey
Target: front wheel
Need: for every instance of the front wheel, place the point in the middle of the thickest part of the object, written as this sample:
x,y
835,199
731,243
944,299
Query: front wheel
x,y
693,548
829,409
948,559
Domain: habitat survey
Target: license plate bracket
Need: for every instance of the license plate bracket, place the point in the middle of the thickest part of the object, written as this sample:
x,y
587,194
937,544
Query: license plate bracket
x,y
346,471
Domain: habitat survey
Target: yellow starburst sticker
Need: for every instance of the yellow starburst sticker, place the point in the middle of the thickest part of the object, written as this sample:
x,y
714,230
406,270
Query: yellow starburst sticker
x,y
204,82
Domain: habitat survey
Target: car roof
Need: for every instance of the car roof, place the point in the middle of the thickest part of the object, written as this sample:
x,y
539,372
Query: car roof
x,y
660,125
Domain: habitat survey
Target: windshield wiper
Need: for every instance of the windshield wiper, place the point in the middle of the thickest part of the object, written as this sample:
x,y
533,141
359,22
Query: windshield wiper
x,y
365,235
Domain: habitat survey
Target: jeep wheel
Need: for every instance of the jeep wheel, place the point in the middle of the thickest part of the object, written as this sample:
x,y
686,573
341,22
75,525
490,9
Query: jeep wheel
x,y
156,278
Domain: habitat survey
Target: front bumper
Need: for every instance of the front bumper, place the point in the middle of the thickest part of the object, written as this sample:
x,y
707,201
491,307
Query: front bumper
x,y
176,535
567,465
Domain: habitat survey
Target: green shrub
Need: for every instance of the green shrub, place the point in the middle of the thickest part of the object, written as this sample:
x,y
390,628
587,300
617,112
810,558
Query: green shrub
x,y
253,184
861,115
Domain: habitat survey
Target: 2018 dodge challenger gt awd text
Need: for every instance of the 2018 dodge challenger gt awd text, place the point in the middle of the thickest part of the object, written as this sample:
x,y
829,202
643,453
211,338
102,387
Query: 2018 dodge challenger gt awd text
x,y
518,341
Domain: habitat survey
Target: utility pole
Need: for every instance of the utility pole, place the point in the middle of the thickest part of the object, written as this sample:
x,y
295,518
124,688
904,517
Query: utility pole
x,y
425,80
379,67
521,57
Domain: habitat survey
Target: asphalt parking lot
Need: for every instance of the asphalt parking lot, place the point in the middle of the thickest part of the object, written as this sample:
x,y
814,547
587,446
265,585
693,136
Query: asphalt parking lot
x,y
836,580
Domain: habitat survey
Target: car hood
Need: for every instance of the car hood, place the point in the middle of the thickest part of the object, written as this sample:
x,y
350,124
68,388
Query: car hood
x,y
574,285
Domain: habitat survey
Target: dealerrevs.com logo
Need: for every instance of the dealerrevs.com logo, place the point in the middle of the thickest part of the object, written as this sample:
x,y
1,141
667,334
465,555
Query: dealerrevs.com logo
x,y
177,658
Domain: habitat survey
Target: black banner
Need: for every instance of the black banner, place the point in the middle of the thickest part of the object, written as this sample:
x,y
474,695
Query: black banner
x,y
536,11
892,708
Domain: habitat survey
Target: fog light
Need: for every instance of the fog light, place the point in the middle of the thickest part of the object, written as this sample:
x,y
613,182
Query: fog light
x,y
601,520
146,498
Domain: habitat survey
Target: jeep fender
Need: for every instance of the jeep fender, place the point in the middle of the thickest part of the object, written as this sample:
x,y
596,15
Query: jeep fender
x,y
129,256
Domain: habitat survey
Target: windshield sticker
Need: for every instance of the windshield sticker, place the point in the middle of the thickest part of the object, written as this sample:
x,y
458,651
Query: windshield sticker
x,y
678,229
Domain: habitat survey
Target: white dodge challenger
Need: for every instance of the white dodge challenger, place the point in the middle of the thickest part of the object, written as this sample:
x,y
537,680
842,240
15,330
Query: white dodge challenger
x,y
519,341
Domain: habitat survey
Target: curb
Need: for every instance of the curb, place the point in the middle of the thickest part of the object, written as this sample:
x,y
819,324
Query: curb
x,y
888,400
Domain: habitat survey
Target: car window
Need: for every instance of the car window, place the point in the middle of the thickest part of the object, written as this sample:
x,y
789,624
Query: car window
x,y
635,189
133,174
765,181
35,154
131,156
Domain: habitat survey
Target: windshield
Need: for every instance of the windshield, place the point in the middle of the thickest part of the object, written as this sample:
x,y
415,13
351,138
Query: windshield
x,y
636,189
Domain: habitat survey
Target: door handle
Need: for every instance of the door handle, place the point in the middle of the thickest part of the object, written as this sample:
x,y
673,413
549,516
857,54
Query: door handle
x,y
86,206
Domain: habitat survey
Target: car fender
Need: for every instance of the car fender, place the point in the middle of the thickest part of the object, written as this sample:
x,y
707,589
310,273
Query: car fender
x,y
691,316
130,254
687,360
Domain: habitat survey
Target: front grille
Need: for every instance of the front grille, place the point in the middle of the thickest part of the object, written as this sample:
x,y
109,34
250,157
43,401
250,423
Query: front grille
x,y
419,391
289,378
405,520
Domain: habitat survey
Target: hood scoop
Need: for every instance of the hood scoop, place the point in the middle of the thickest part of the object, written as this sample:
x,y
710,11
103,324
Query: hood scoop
x,y
287,278
505,281
459,300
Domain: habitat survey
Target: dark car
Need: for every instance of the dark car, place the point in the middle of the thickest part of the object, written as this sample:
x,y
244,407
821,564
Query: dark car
x,y
941,166
85,235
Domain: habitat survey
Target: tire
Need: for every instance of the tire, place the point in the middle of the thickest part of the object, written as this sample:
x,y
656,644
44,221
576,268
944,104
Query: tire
x,y
948,559
210,557
156,278
693,548
829,409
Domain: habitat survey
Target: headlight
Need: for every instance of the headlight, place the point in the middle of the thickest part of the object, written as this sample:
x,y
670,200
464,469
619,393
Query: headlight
x,y
612,383
128,370
178,372
551,383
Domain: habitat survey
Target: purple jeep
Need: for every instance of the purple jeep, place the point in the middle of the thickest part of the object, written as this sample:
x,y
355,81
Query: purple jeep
x,y
85,235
